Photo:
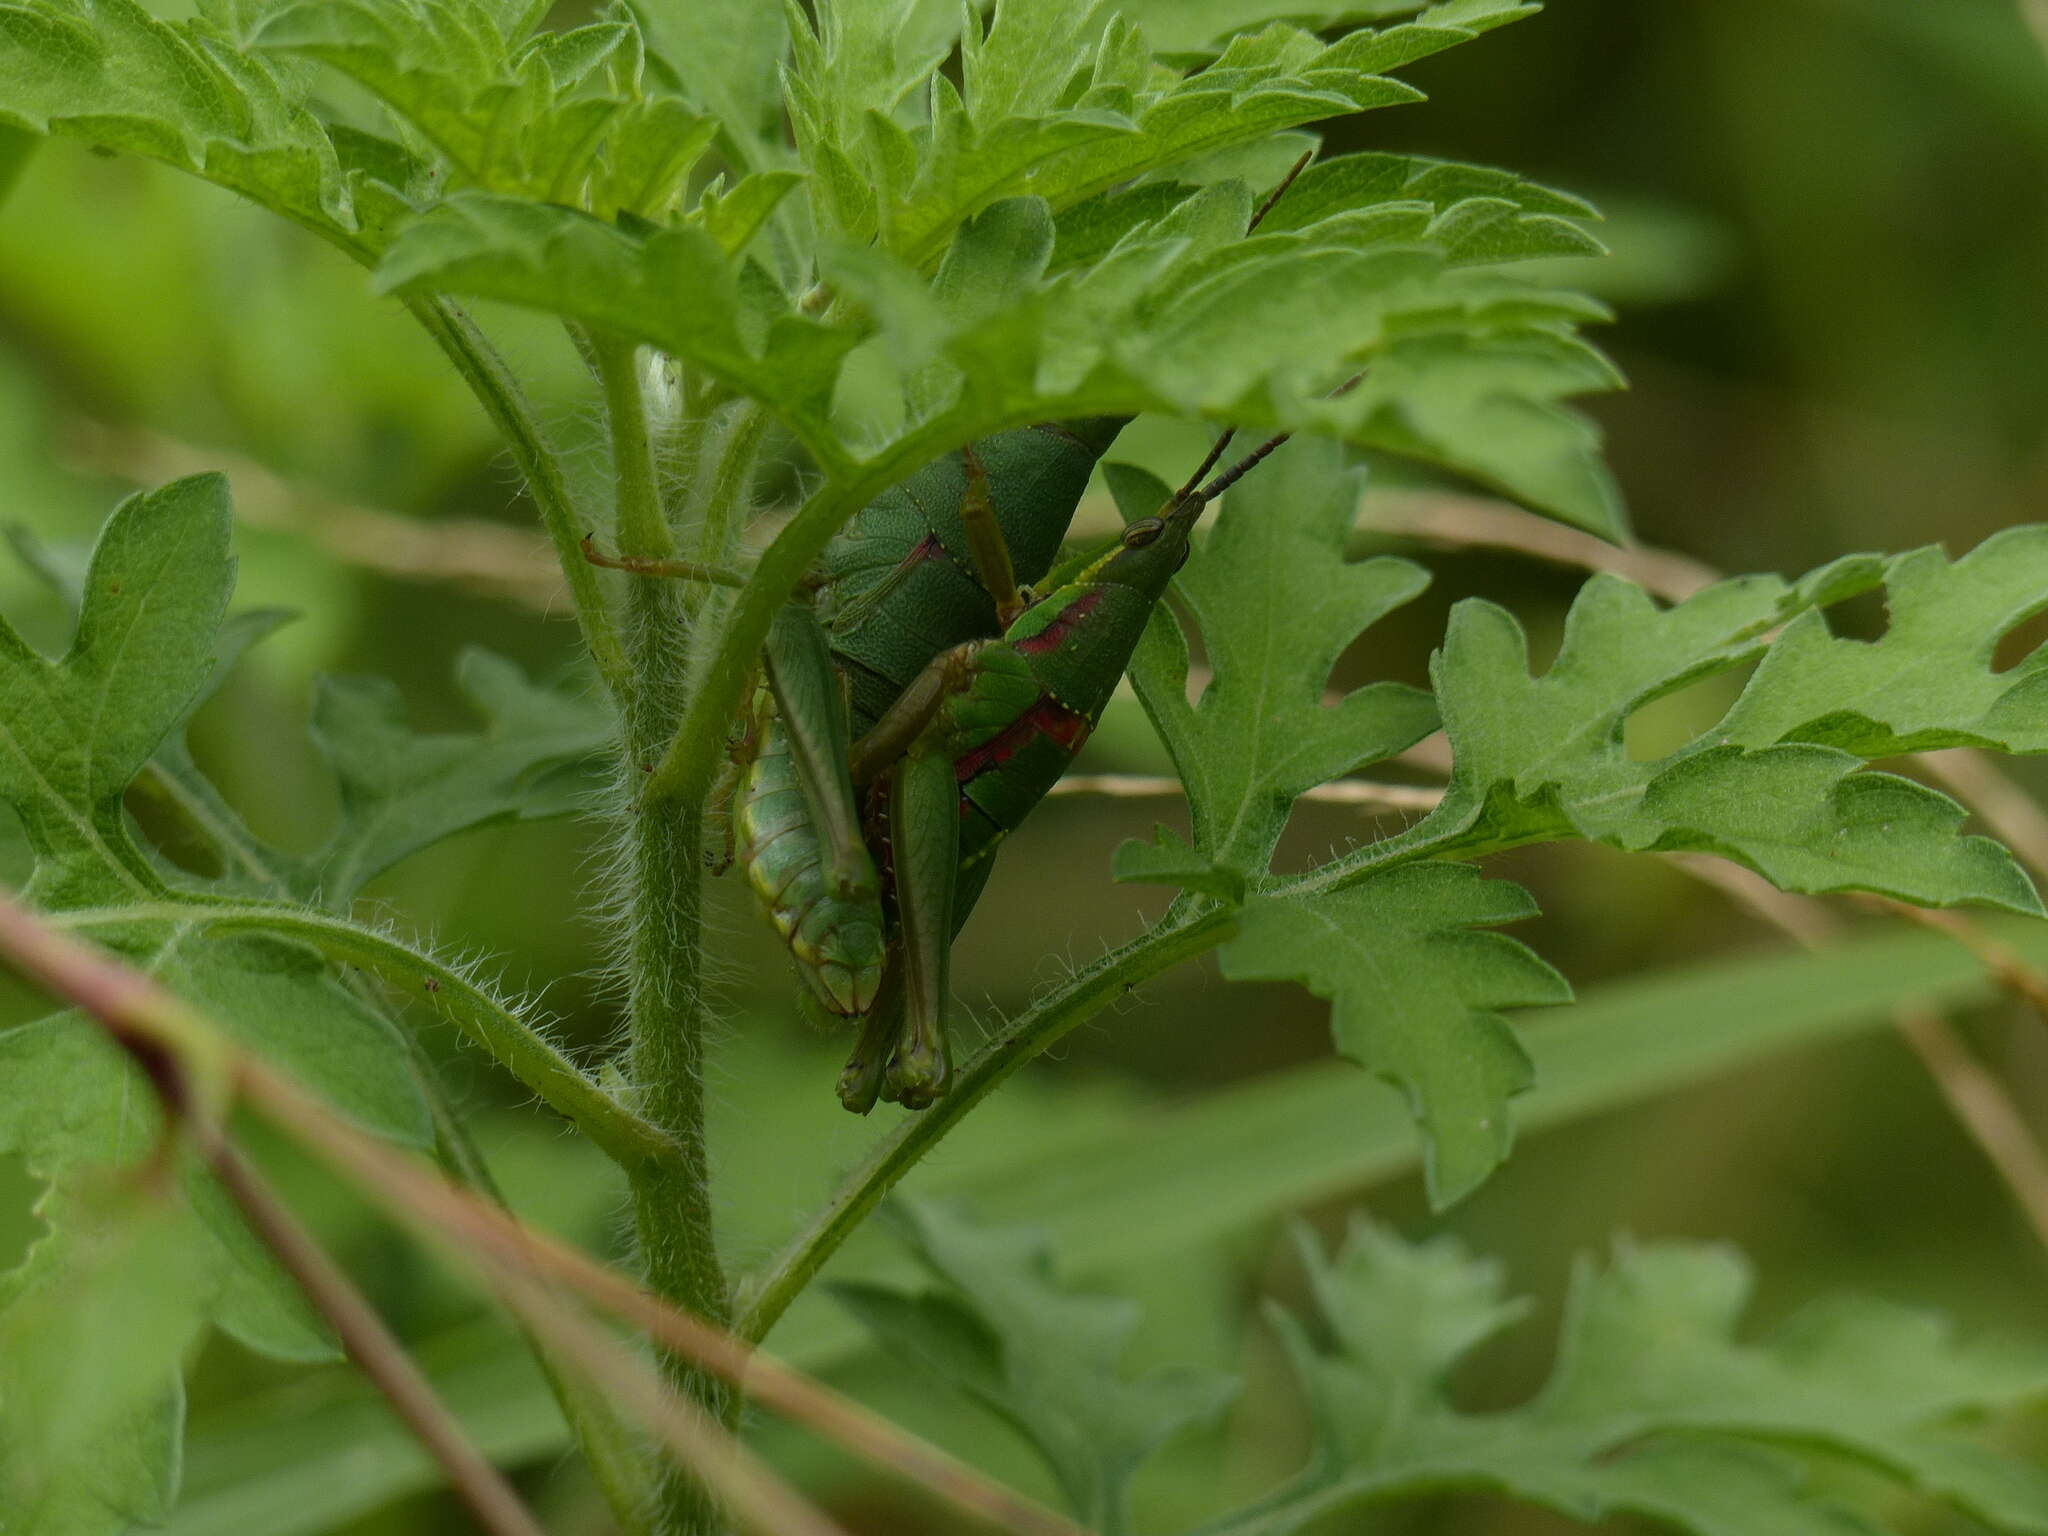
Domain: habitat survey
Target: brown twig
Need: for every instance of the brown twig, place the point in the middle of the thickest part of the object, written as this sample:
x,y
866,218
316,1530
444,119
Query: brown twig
x,y
155,1031
482,1232
2000,960
490,558
751,1489
1363,793
1474,522
376,1351
164,1035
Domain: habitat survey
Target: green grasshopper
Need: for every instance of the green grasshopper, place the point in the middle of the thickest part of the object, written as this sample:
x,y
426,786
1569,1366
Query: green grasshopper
x,y
967,751
906,579
869,856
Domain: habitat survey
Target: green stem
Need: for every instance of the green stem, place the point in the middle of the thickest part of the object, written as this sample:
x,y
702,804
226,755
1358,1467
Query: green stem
x,y
521,1049
502,399
662,872
730,494
642,529
1187,930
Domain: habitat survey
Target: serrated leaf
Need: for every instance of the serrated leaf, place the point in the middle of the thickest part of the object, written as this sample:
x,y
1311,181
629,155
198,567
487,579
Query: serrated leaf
x,y
1170,860
563,117
1351,181
402,791
724,55
108,72
1537,758
1000,1329
75,735
1416,990
1655,1407
733,216
1927,682
1277,604
676,288
1184,315
1011,132
1190,25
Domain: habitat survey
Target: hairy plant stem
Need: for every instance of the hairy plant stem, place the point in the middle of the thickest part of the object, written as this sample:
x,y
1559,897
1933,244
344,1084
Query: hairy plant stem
x,y
484,371
642,528
728,492
662,865
1189,927
487,1021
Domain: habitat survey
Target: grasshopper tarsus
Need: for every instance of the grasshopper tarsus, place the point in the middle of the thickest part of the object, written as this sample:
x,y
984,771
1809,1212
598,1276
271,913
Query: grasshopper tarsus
x,y
860,1083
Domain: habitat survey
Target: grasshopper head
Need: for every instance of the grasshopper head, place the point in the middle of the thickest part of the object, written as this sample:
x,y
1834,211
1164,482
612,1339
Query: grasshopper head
x,y
1153,548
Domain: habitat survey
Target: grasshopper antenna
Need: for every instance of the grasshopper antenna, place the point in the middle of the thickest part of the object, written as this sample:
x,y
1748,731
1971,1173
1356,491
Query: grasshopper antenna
x,y
1215,453
1239,470
1223,441
1250,461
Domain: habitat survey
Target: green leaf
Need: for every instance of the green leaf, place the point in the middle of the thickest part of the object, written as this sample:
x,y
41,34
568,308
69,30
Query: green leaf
x,y
564,117
401,791
1483,215
1277,604
1190,25
677,289
75,735
998,1328
1536,758
186,93
92,1338
1655,1407
725,53
1143,1185
1169,860
1927,682
1415,994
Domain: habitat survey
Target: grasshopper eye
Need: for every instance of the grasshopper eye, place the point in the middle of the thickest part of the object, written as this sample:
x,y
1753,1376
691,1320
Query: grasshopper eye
x,y
1143,532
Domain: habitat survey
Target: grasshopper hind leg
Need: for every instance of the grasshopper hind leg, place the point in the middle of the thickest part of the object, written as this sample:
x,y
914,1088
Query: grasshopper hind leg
x,y
924,841
861,1083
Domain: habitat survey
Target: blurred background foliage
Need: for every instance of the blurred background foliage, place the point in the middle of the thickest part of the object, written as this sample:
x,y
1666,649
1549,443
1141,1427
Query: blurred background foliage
x,y
1830,224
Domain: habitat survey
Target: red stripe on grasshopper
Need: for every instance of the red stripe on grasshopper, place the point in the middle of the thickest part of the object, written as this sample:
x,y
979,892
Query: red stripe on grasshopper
x,y
1063,624
1048,718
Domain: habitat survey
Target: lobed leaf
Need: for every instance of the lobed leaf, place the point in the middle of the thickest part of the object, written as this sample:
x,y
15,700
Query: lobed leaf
x,y
1415,994
186,93
999,1329
1537,758
1655,1408
567,117
402,791
1277,605
1929,680
77,736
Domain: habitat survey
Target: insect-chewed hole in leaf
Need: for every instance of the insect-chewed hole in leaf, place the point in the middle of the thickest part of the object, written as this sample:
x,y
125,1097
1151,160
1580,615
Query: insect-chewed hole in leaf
x,y
1665,724
1863,617
19,1227
2020,642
